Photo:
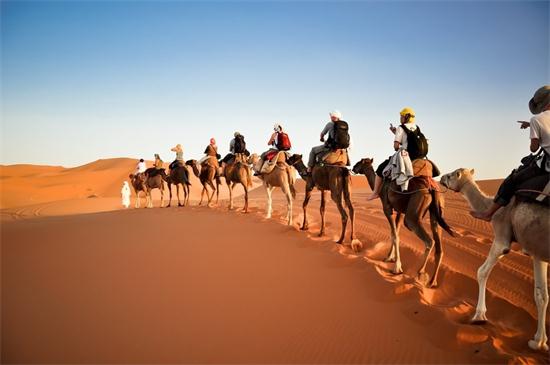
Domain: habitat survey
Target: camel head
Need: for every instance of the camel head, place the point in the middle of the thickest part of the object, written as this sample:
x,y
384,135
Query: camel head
x,y
457,179
191,162
363,166
294,159
253,158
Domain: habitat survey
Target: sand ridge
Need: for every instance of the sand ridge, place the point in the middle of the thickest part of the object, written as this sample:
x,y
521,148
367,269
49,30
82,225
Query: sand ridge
x,y
231,281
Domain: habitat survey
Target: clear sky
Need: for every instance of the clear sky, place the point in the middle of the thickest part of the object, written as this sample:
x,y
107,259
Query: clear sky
x,y
87,80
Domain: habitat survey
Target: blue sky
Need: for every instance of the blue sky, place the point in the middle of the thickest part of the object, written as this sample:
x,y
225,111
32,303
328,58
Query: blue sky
x,y
99,79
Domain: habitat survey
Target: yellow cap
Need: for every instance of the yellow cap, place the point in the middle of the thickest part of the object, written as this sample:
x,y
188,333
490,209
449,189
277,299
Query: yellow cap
x,y
406,111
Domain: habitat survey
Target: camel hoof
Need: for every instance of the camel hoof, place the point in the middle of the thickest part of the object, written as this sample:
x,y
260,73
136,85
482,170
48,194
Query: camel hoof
x,y
389,259
356,245
339,242
304,228
397,271
321,234
479,318
433,285
537,345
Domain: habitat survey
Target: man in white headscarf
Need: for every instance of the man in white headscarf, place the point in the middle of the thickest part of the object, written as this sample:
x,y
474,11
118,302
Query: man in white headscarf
x,y
125,192
335,117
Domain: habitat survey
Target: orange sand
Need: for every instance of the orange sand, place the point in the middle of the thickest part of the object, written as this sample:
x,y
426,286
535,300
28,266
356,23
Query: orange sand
x,y
197,284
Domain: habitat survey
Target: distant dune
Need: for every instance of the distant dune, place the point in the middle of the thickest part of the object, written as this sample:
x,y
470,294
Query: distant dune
x,y
208,285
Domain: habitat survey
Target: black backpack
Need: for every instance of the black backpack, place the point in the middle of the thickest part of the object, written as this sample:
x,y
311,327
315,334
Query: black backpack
x,y
417,144
240,144
341,135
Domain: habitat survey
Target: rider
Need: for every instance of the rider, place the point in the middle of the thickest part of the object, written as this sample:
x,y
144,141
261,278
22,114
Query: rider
x,y
179,157
236,146
210,151
140,167
158,166
539,105
278,141
328,145
407,120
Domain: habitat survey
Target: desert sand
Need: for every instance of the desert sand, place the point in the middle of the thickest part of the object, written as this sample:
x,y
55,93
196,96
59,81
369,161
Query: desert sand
x,y
84,280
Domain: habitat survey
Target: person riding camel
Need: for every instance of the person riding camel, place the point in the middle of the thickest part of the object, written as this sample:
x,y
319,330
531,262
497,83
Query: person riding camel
x,y
338,138
408,138
210,151
158,167
535,165
140,167
179,157
278,141
237,146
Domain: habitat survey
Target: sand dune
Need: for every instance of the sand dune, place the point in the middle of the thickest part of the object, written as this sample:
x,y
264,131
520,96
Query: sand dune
x,y
197,284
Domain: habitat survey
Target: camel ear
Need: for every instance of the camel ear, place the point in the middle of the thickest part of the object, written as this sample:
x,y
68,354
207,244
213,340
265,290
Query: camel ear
x,y
472,171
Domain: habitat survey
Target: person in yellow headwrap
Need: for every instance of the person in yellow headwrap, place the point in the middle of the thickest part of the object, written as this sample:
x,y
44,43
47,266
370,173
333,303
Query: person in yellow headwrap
x,y
407,120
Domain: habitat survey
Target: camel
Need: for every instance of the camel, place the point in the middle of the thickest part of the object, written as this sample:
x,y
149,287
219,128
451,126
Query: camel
x,y
282,176
410,207
337,180
520,221
178,176
206,175
238,172
144,182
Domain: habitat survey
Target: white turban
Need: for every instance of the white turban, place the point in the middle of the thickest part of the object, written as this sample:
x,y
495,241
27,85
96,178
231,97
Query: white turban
x,y
277,127
336,114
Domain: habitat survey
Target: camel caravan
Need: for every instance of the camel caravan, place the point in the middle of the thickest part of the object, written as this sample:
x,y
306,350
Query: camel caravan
x,y
404,182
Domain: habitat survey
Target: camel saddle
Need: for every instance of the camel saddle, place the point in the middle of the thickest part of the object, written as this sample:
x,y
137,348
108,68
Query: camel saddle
x,y
211,161
337,157
424,167
278,157
153,171
416,183
535,190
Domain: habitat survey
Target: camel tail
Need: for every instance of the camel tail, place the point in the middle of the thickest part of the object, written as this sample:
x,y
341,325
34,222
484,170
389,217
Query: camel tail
x,y
436,209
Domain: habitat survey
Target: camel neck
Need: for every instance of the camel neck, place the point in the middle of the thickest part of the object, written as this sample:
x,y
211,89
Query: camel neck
x,y
477,199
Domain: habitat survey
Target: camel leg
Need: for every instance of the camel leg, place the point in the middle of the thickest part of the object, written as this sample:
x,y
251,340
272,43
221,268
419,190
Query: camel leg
x,y
170,191
269,190
210,196
436,233
245,186
416,226
393,233
288,194
162,195
540,269
349,204
496,252
338,200
202,193
137,199
305,225
231,185
149,199
395,255
217,192
322,211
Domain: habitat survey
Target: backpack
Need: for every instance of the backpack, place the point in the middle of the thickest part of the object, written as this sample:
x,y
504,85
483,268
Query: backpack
x,y
341,135
283,142
417,145
240,144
